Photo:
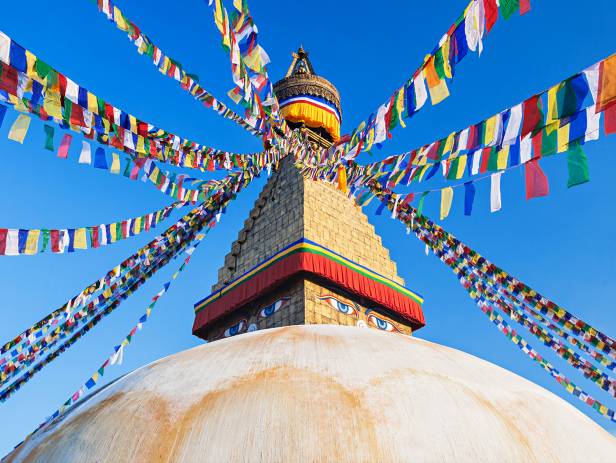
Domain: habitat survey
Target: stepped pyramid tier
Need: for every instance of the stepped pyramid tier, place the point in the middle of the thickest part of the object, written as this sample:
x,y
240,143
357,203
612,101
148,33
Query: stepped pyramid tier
x,y
309,100
320,393
306,254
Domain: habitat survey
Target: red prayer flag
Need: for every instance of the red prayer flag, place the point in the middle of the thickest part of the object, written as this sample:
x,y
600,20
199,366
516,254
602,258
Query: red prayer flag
x,y
76,117
537,141
3,232
536,181
485,158
95,242
8,79
491,12
609,120
524,6
55,240
533,116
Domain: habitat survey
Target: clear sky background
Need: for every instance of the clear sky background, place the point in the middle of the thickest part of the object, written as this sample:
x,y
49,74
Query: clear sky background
x,y
562,245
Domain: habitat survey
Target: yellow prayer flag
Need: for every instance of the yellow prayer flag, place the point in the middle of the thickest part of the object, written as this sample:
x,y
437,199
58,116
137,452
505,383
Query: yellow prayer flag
x,y
119,19
552,108
503,158
490,127
92,103
140,144
133,123
30,70
32,242
80,239
461,166
115,163
137,226
449,143
446,63
446,198
51,104
113,230
400,107
563,138
19,129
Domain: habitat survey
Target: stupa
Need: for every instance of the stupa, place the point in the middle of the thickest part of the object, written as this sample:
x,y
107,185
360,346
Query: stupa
x,y
310,354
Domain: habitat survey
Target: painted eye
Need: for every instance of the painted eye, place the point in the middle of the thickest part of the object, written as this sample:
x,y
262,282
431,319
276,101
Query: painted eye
x,y
272,308
238,328
340,306
382,324
252,327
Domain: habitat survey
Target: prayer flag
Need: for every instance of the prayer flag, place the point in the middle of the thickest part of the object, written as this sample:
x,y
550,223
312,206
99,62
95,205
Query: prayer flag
x,y
533,116
420,205
469,197
495,192
2,111
512,132
446,199
491,13
577,165
80,239
64,145
3,231
508,7
85,157
115,163
49,130
19,129
537,184
100,160
32,242
607,84
12,243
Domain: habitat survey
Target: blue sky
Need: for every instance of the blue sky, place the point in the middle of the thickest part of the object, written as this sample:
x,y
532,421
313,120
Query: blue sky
x,y
562,245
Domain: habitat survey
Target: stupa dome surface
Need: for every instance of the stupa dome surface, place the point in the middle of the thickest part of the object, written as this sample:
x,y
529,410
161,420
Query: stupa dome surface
x,y
321,393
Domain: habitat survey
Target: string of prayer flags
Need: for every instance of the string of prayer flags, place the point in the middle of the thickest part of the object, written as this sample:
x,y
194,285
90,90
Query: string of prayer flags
x,y
550,122
169,66
174,239
19,129
69,239
118,351
253,88
41,90
465,34
497,293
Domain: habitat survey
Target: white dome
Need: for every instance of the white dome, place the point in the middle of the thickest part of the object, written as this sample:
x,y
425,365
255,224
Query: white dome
x,y
321,393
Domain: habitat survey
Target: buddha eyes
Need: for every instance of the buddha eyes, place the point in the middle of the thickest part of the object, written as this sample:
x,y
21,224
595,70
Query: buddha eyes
x,y
340,306
381,323
273,308
238,328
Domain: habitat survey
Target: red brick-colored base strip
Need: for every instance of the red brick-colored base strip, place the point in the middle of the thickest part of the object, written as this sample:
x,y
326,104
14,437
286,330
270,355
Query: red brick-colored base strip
x,y
307,262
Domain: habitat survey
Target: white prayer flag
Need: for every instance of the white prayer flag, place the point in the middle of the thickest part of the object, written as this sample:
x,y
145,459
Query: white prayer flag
x,y
495,192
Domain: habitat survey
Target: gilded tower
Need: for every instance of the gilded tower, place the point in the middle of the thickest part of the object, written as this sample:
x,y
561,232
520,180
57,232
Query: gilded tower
x,y
306,254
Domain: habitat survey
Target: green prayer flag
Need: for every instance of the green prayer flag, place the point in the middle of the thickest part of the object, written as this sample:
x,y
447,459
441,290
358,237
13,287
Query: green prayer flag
x,y
508,7
45,234
577,165
49,130
421,203
549,142
127,168
439,63
493,160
